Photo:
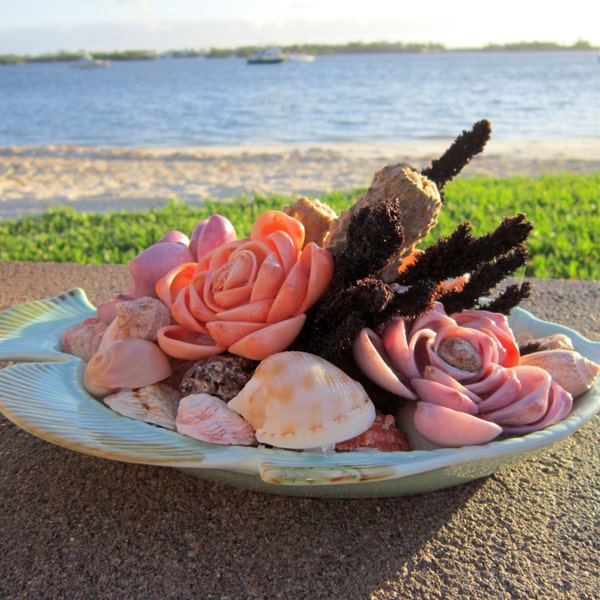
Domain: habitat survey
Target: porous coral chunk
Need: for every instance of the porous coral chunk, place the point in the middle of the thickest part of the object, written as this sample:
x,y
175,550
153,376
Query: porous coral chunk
x,y
316,216
142,317
84,339
416,198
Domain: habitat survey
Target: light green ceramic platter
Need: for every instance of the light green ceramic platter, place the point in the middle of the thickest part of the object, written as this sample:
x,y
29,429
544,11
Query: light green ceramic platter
x,y
43,394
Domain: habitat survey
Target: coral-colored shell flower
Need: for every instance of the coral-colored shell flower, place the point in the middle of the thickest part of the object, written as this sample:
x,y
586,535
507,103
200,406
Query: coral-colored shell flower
x,y
247,296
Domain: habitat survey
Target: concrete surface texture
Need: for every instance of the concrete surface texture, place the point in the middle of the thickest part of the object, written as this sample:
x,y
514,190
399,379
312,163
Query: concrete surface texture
x,y
78,527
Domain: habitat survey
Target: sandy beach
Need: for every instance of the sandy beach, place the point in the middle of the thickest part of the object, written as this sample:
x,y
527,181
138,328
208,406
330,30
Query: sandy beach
x,y
94,179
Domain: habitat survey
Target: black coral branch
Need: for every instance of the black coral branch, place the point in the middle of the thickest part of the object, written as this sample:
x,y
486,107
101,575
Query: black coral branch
x,y
487,260
467,145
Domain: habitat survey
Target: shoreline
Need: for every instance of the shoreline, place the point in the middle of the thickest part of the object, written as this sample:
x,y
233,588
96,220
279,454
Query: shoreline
x,y
98,178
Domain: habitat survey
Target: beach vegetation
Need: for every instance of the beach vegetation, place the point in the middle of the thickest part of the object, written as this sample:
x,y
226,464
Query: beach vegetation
x,y
564,244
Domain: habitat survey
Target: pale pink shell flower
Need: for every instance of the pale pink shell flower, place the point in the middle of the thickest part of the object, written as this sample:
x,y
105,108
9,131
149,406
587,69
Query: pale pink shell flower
x,y
464,371
174,249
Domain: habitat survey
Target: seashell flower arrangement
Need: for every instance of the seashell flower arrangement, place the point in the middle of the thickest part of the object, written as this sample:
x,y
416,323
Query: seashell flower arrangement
x,y
274,339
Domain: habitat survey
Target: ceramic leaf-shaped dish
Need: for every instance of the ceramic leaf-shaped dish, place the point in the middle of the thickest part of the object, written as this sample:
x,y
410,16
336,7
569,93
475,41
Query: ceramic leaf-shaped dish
x,y
44,395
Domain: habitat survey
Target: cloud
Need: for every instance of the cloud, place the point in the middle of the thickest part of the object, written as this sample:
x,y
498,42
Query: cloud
x,y
143,4
146,12
155,34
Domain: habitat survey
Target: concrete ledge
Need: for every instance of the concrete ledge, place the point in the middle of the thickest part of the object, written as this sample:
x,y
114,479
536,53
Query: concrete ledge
x,y
78,527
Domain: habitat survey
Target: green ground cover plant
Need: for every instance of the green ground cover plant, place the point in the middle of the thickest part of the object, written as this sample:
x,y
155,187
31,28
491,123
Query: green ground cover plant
x,y
565,242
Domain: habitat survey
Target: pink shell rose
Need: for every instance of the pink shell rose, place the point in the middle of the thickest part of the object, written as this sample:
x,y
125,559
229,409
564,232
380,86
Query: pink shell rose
x,y
463,370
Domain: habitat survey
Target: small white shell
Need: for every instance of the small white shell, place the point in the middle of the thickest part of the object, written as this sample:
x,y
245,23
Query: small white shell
x,y
555,341
298,400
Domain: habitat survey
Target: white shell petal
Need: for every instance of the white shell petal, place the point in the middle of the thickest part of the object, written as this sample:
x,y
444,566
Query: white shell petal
x,y
298,400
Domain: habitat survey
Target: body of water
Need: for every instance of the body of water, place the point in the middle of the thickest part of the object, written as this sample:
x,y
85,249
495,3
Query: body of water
x,y
341,98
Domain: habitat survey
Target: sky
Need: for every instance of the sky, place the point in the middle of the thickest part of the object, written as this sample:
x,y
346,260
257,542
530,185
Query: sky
x,y
38,26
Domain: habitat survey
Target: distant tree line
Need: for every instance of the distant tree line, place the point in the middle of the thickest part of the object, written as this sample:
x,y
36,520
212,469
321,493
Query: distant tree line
x,y
317,49
64,56
543,46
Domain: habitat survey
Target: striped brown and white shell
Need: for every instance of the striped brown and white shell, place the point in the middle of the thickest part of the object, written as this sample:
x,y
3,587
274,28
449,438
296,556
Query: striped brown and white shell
x,y
156,403
299,401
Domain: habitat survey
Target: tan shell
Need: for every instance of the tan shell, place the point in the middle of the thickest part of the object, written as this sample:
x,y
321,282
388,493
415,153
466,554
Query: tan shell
x,y
316,216
420,203
572,371
142,317
84,339
298,400
156,403
556,341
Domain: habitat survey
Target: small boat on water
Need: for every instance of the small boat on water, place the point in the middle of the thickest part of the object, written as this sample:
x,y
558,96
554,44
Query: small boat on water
x,y
268,56
86,61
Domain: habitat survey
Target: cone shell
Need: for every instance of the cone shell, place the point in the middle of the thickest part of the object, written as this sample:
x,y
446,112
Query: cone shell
x,y
298,400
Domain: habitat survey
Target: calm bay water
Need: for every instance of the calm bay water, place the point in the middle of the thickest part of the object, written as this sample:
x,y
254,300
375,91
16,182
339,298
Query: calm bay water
x,y
341,98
